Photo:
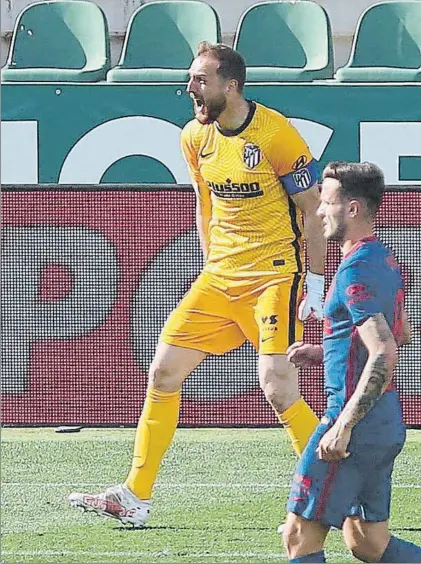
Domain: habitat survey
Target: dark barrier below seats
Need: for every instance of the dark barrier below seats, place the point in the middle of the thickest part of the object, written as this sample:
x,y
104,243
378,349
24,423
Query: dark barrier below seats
x,y
90,274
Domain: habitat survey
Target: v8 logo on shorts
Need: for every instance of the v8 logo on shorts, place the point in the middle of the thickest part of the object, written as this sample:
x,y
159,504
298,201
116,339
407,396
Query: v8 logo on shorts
x,y
272,319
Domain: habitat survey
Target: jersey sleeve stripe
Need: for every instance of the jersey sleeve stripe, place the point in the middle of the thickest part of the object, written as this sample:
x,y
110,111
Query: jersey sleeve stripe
x,y
297,232
293,308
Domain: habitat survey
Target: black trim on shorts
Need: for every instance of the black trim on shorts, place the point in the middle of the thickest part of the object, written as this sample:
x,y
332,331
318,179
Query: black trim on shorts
x,y
293,308
294,224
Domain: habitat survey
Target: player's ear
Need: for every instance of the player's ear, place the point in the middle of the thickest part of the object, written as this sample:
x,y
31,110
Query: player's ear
x,y
232,86
354,208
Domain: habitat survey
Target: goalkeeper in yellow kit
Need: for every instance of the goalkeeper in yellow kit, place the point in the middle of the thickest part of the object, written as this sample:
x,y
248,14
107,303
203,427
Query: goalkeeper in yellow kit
x,y
254,178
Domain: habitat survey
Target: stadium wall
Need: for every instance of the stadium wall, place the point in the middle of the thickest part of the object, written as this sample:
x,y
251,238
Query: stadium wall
x,y
95,133
90,272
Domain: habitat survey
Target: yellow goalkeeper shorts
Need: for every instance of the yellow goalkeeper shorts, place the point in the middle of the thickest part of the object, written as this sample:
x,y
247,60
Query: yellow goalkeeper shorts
x,y
216,316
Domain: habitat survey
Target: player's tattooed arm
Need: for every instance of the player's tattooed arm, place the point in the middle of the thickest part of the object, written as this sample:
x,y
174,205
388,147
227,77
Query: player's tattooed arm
x,y
376,335
405,336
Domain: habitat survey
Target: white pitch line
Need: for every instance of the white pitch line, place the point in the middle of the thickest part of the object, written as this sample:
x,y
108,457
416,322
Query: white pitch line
x,y
176,485
161,554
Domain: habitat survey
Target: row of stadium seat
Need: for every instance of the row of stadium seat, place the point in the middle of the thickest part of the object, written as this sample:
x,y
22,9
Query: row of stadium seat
x,y
68,40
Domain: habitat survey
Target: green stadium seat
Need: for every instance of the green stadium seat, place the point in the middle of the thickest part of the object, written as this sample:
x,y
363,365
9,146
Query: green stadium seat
x,y
285,41
387,45
59,41
161,41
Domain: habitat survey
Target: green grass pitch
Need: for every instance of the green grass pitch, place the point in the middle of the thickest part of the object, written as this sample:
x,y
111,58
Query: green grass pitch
x,y
220,496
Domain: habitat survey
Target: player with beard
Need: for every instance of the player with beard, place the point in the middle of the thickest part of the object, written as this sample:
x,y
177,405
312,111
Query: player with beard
x,y
344,476
254,179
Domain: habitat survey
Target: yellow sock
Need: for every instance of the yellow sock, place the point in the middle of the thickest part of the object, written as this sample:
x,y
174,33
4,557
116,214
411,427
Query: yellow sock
x,y
156,428
299,421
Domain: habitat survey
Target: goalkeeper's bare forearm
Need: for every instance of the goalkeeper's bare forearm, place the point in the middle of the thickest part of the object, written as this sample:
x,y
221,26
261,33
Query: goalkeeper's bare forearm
x,y
316,244
308,202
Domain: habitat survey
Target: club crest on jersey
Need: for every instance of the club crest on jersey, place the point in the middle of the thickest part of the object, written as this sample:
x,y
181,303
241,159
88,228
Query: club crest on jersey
x,y
302,178
252,155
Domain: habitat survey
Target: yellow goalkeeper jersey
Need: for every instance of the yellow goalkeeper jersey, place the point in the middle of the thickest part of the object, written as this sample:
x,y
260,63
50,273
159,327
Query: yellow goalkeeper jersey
x,y
250,174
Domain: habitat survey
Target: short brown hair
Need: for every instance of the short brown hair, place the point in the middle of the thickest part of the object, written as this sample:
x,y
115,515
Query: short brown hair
x,y
359,181
231,63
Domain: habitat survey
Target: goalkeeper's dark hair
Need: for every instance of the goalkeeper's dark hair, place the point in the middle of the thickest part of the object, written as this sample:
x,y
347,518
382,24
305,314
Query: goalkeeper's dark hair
x,y
231,63
359,181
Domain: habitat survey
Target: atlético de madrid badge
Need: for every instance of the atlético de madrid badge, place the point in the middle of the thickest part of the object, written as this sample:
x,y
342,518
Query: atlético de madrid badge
x,y
252,155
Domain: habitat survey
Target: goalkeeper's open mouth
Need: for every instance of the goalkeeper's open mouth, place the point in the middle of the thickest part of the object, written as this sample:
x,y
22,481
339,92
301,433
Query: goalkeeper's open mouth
x,y
200,109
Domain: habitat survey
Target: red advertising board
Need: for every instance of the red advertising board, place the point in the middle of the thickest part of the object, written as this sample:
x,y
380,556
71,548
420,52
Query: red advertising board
x,y
89,277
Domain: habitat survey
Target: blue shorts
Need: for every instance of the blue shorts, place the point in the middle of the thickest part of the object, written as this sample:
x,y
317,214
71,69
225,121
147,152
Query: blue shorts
x,y
361,484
